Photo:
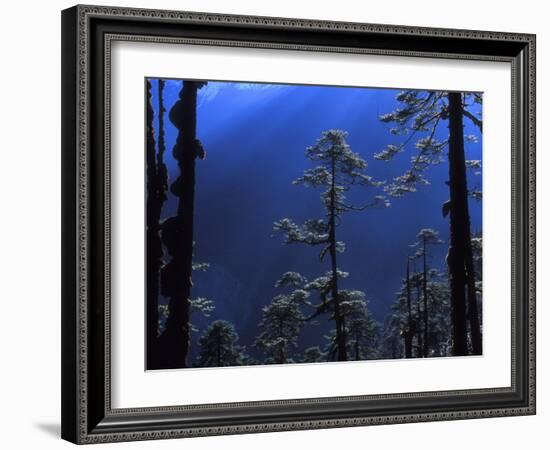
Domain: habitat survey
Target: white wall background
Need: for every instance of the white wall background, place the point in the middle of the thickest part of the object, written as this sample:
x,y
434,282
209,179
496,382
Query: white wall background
x,y
30,223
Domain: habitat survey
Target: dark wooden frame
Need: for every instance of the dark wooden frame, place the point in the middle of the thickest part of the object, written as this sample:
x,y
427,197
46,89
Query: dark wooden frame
x,y
87,32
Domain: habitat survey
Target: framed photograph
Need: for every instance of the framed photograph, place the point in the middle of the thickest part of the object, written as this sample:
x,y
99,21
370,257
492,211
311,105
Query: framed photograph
x,y
281,224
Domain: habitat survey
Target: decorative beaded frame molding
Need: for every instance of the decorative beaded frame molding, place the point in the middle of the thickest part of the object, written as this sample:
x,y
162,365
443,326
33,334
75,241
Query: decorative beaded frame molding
x,y
88,32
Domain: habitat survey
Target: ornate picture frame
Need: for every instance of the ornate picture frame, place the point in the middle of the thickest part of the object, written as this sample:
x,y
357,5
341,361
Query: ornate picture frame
x,y
88,33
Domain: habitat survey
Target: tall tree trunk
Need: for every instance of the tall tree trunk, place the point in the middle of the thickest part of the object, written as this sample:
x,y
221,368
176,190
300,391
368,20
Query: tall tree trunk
x,y
282,355
340,338
409,333
177,231
419,334
156,195
218,349
459,221
425,295
473,314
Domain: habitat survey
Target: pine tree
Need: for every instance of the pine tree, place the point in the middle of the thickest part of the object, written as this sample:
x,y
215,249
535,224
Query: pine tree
x,y
177,231
477,254
281,323
218,346
313,355
398,324
391,346
157,183
439,314
338,170
402,322
198,305
282,320
419,116
416,287
425,238
409,331
360,329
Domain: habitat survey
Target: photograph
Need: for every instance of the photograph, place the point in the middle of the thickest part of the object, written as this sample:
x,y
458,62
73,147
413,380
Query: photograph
x,y
299,224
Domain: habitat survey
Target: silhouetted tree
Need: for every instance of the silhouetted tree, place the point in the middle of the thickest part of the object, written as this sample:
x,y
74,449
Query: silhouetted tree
x,y
404,320
360,329
218,346
477,252
419,116
425,238
416,284
313,355
157,183
391,346
438,314
200,305
281,323
338,169
177,231
409,331
282,320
